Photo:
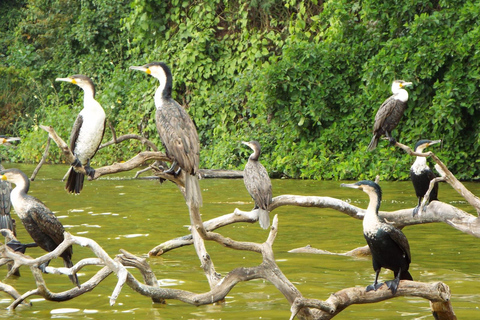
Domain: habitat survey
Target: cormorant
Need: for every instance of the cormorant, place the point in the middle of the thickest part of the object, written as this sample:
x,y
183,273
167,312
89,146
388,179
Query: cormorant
x,y
6,221
388,245
42,225
177,131
87,132
421,174
389,114
258,184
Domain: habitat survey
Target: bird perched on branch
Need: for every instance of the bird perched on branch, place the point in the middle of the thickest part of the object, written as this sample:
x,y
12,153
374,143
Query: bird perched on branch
x,y
42,225
421,174
258,184
87,132
177,131
389,114
388,245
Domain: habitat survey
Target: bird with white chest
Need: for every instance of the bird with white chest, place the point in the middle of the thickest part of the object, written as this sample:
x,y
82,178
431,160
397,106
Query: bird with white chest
x,y
87,132
390,113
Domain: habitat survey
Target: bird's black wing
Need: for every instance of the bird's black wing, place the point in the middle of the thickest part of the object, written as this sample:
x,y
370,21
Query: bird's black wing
x,y
258,184
75,132
47,223
401,240
383,112
179,135
5,206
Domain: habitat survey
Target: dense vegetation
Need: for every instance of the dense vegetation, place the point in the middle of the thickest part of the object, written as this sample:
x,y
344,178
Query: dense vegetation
x,y
305,78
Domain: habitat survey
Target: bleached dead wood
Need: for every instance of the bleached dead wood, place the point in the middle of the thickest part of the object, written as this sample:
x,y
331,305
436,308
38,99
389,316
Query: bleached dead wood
x,y
200,231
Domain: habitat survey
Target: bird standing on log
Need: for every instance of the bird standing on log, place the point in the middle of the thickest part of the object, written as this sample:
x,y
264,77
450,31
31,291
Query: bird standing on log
x,y
421,174
42,225
177,132
87,132
389,114
388,245
258,184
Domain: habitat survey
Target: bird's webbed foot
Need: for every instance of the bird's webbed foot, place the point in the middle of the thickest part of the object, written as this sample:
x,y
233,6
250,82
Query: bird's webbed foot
x,y
392,141
415,211
393,285
20,247
172,171
77,163
375,286
90,171
43,266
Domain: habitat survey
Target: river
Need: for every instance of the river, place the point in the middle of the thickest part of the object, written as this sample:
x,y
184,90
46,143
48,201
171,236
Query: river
x,y
136,215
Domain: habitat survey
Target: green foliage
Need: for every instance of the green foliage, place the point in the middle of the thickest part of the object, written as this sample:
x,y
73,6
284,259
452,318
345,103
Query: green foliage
x,y
304,78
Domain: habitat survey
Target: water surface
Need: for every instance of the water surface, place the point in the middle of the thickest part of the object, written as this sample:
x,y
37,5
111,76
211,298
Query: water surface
x,y
136,215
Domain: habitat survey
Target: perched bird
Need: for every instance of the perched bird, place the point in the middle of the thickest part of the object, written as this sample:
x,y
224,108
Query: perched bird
x,y
42,225
421,174
87,132
389,114
388,245
177,131
6,221
258,184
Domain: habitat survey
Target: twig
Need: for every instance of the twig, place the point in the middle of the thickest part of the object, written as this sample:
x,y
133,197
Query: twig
x,y
42,161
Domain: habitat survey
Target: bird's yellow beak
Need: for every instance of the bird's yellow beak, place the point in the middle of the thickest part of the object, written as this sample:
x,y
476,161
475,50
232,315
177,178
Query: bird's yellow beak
x,y
67,80
405,84
3,140
141,68
3,177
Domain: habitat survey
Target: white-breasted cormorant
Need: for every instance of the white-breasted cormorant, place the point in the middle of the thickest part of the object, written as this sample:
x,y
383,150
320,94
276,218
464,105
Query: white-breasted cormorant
x,y
258,184
421,174
388,245
389,114
87,132
42,225
177,131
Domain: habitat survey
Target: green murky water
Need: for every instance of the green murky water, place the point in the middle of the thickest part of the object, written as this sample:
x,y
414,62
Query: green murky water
x,y
137,215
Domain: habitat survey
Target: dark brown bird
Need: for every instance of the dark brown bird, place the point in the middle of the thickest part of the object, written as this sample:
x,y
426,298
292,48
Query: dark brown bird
x,y
177,131
258,184
389,114
42,225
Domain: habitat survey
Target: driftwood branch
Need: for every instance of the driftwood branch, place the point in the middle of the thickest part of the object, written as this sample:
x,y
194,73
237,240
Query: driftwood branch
x,y
42,161
437,293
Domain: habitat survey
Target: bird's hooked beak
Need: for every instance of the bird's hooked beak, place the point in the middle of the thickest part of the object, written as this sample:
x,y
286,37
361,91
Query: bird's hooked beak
x,y
406,84
351,185
247,144
3,177
71,80
141,68
433,142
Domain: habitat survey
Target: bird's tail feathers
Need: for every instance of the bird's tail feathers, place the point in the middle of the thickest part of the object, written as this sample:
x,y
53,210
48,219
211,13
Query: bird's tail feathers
x,y
67,262
264,218
6,222
193,193
74,182
373,143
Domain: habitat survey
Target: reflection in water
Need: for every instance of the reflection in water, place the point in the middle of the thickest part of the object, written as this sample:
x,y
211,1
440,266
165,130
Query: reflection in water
x,y
137,215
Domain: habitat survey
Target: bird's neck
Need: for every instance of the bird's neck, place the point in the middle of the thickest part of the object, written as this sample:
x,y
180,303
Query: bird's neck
x,y
401,95
18,195
255,155
371,220
89,101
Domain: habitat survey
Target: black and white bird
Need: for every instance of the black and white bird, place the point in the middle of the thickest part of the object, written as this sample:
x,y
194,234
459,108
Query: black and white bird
x,y
258,184
388,245
42,225
177,131
421,174
87,132
389,114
